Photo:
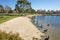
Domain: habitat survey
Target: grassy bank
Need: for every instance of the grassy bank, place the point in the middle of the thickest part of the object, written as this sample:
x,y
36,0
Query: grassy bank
x,y
6,18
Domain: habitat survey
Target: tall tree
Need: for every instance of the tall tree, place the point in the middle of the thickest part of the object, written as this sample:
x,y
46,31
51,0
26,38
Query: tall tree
x,y
22,5
8,9
1,8
33,11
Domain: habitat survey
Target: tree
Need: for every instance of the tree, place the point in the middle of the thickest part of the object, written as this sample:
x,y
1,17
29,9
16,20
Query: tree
x,y
19,6
33,11
16,8
38,11
48,12
8,9
1,9
41,11
28,11
22,5
29,5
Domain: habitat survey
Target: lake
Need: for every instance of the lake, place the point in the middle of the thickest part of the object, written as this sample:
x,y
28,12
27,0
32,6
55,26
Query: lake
x,y
54,25
54,20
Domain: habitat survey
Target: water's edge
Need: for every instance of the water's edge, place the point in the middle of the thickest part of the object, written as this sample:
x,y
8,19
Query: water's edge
x,y
53,32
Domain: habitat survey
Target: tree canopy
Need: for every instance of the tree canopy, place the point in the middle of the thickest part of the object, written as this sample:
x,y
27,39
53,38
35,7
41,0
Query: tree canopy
x,y
22,5
1,8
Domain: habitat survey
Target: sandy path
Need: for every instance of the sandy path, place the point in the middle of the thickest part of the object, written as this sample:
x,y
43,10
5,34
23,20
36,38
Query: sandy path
x,y
23,26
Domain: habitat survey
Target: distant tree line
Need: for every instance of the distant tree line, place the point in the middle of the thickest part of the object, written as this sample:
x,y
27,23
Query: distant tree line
x,y
48,12
7,9
22,6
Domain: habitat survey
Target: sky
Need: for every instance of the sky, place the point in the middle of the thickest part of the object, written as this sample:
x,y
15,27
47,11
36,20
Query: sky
x,y
36,4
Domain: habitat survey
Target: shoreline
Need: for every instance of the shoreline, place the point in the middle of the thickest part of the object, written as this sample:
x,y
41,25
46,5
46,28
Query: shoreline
x,y
25,28
53,32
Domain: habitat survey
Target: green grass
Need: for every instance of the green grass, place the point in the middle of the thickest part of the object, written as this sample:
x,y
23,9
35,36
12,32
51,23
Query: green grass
x,y
6,18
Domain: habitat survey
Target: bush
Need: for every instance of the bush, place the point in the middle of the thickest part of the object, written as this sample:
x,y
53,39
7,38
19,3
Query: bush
x,y
9,36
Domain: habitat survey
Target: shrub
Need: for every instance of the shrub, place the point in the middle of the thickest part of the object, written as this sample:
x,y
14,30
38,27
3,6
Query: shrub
x,y
9,36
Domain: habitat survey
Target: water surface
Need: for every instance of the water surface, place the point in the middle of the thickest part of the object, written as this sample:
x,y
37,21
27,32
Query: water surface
x,y
53,20
53,29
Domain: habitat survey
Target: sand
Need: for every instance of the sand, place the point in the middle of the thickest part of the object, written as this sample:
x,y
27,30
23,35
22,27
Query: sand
x,y
23,26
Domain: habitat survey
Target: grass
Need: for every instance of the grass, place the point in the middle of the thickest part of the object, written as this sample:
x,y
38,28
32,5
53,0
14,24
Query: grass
x,y
6,18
